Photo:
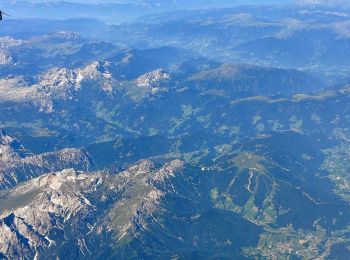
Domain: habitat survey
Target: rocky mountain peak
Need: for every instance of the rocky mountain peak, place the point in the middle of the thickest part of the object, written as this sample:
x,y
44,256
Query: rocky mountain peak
x,y
18,165
5,57
58,82
150,78
168,171
153,81
10,148
6,42
42,210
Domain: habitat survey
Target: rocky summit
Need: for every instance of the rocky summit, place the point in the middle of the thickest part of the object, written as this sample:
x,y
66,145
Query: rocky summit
x,y
84,208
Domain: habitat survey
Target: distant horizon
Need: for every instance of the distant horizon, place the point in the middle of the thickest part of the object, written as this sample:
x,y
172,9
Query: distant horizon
x,y
234,2
239,2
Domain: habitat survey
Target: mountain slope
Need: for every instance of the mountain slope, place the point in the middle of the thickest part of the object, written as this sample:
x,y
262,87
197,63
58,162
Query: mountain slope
x,y
18,165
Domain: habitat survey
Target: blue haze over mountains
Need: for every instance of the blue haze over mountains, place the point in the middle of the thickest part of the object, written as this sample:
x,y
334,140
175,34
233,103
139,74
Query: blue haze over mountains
x,y
175,130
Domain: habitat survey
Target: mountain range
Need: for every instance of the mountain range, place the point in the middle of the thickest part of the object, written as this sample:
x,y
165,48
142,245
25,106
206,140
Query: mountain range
x,y
219,133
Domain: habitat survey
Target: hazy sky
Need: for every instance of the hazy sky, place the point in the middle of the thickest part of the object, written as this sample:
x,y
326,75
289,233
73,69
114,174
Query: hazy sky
x,y
153,1
130,1
83,1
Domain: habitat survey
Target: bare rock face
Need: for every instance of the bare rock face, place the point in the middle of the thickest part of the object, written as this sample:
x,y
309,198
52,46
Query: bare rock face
x,y
10,148
58,83
5,57
153,80
55,84
74,206
6,42
18,165
38,207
